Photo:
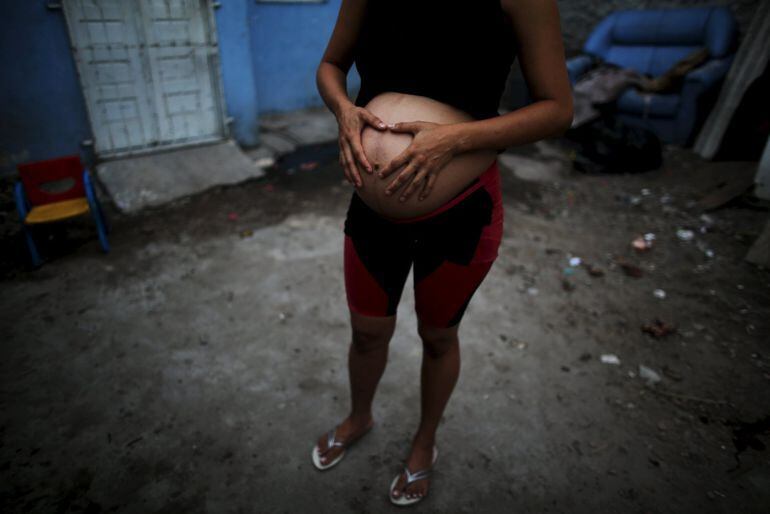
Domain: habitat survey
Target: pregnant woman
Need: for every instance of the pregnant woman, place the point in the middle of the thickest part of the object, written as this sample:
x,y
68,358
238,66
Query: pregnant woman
x,y
420,145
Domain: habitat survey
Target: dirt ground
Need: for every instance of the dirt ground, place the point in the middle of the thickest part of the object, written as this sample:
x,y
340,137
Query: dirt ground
x,y
192,368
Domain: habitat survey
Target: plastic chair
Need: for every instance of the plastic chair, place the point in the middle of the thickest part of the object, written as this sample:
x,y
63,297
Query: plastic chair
x,y
37,205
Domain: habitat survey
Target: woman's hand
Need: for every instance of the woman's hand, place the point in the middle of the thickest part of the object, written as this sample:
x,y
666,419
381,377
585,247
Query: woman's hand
x,y
351,121
432,148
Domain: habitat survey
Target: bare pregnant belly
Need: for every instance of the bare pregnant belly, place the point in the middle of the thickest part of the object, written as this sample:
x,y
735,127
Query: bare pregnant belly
x,y
382,146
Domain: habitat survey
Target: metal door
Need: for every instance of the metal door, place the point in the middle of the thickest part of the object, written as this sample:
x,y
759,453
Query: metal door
x,y
149,72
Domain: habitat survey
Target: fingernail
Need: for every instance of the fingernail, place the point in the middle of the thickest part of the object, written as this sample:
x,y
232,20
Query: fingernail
x,y
391,125
381,125
387,192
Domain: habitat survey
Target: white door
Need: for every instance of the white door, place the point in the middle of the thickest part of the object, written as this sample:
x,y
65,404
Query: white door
x,y
149,72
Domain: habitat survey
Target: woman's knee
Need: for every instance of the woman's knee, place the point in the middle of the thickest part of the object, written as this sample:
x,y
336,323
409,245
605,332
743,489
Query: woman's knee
x,y
371,333
436,341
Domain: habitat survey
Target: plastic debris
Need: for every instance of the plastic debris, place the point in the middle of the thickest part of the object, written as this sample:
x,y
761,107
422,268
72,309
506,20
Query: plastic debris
x,y
593,270
574,261
640,245
658,328
659,293
308,166
648,374
610,358
643,243
568,271
685,234
630,269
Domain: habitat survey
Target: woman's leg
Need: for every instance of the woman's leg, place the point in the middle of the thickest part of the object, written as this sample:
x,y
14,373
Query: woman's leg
x,y
439,373
377,260
454,256
367,358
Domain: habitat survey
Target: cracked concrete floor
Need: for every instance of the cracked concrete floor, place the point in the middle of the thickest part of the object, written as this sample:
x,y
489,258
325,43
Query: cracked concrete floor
x,y
192,369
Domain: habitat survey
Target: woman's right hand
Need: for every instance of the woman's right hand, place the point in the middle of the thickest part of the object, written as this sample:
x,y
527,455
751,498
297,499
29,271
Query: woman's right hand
x,y
351,121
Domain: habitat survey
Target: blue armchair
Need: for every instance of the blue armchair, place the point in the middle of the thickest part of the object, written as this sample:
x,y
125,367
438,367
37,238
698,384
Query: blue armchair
x,y
651,41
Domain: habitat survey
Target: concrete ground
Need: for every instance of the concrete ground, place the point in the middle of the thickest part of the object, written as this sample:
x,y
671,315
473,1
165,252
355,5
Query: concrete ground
x,y
192,369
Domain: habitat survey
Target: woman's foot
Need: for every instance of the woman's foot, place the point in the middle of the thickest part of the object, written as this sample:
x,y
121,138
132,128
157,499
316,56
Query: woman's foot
x,y
348,431
421,457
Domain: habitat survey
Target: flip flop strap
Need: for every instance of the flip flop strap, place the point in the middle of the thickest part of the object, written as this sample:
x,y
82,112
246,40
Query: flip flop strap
x,y
330,439
417,475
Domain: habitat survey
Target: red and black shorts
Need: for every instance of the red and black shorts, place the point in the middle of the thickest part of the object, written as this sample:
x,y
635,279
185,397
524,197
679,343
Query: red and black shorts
x,y
452,249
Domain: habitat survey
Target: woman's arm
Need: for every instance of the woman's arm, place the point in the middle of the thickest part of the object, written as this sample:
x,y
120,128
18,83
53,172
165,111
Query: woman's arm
x,y
541,56
331,79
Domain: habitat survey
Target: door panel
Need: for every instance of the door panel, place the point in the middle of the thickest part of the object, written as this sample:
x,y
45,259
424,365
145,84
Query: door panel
x,y
147,72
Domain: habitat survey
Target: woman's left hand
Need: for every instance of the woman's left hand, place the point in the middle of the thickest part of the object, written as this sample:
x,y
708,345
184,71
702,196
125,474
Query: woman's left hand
x,y
431,149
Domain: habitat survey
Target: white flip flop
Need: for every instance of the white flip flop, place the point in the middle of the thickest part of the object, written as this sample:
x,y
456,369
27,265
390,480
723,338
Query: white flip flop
x,y
411,477
331,441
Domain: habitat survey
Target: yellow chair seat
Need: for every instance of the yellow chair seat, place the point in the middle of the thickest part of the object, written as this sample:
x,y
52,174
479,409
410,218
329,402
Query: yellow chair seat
x,y
57,211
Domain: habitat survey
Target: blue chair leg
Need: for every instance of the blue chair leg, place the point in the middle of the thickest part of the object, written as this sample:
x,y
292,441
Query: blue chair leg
x,y
22,208
96,211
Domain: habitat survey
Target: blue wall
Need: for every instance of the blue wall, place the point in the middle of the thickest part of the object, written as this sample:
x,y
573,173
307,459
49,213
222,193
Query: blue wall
x,y
288,40
238,69
42,110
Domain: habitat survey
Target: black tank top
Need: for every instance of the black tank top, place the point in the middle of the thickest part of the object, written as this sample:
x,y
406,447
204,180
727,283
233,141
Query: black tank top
x,y
458,52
